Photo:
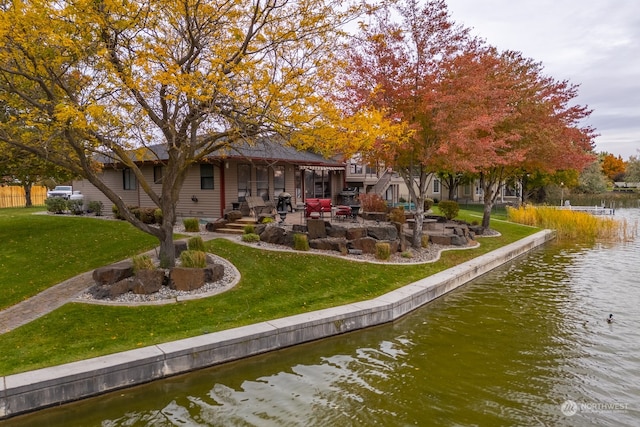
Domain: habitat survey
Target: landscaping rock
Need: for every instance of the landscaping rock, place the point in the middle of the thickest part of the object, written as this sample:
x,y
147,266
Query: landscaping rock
x,y
113,273
336,231
356,233
383,232
234,216
146,282
329,244
273,234
188,279
366,244
217,224
317,229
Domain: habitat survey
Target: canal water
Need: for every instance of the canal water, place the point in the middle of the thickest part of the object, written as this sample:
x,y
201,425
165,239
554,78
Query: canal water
x,y
526,345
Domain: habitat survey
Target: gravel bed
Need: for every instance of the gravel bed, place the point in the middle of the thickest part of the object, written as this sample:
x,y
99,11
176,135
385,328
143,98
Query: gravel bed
x,y
167,295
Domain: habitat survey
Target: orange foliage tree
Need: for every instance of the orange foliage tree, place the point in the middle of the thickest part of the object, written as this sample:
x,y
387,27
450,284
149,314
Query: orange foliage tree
x,y
613,167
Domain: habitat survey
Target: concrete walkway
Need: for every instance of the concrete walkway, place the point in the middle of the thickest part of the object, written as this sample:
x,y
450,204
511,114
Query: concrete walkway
x,y
55,385
43,303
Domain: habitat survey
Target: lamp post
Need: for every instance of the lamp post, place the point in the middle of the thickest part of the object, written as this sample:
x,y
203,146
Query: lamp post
x,y
562,194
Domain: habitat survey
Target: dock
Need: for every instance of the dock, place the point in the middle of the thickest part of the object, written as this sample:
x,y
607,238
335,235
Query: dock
x,y
593,210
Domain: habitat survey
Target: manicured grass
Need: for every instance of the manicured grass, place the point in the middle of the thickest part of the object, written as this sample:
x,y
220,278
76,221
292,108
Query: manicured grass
x,y
273,285
38,251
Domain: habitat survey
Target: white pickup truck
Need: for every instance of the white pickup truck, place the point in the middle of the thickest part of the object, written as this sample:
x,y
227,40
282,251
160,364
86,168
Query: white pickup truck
x,y
64,191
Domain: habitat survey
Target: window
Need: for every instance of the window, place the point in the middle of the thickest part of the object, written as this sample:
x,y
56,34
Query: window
x,y
206,176
355,168
244,182
129,181
157,174
262,182
278,180
436,186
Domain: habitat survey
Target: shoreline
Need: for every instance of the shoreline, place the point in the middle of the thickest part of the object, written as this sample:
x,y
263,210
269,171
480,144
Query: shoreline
x,y
33,390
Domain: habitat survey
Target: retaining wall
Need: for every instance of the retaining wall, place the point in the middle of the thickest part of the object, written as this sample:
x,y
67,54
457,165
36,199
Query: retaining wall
x,y
34,390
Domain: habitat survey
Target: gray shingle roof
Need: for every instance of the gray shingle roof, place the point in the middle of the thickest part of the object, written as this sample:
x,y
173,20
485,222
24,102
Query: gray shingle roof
x,y
264,149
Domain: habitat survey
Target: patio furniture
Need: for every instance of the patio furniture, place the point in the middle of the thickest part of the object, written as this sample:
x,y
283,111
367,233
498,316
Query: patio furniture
x,y
319,206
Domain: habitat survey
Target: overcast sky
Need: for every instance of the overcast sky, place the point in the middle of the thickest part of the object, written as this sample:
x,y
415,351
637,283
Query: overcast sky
x,y
595,44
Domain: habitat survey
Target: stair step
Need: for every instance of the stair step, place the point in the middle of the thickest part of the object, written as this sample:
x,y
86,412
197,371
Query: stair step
x,y
230,230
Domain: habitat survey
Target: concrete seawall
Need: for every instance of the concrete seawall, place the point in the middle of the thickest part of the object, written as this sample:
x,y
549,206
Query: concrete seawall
x,y
56,385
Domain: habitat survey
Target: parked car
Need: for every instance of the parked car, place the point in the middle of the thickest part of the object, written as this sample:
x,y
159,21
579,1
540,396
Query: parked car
x,y
76,195
64,191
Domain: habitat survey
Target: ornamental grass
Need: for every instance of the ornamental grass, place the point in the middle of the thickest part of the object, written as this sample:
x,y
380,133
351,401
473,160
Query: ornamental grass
x,y
573,225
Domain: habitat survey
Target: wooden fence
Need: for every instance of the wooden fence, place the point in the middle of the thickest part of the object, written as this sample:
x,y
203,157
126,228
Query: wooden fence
x,y
12,196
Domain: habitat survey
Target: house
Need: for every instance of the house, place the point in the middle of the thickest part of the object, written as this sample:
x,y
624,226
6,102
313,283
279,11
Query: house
x,y
223,180
389,185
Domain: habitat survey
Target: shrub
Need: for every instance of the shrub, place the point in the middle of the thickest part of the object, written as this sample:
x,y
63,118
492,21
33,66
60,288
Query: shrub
x,y
407,254
250,237
267,220
449,208
196,244
383,250
193,259
397,215
142,262
96,207
191,225
157,215
428,204
249,229
371,202
76,207
424,241
145,215
56,204
300,242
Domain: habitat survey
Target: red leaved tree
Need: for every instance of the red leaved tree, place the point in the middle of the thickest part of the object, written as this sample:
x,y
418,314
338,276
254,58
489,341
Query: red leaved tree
x,y
395,67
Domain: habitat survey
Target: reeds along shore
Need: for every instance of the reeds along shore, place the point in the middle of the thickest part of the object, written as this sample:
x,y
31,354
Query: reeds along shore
x,y
579,226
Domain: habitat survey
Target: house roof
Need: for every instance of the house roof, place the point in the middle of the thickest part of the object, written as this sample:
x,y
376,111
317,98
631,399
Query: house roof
x,y
266,149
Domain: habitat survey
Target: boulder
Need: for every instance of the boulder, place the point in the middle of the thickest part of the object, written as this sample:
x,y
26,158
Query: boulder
x,y
459,240
317,229
234,216
356,233
111,290
147,281
441,239
189,279
366,244
113,273
329,244
186,279
336,231
383,232
273,234
217,224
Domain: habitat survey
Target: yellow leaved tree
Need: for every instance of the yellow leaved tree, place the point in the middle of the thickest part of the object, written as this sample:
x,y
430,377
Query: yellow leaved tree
x,y
92,80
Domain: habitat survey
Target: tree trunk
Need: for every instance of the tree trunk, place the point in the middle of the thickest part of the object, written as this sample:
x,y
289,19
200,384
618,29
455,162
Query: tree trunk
x,y
486,212
416,240
27,195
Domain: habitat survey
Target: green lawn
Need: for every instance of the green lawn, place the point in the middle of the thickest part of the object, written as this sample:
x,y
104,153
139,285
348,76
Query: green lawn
x,y
273,284
38,251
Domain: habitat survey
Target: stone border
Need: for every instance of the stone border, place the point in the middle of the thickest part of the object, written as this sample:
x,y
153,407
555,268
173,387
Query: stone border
x,y
30,391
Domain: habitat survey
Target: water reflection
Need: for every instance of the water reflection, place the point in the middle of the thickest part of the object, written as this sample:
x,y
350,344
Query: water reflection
x,y
508,349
